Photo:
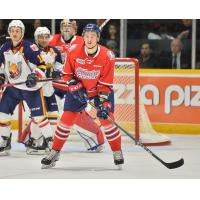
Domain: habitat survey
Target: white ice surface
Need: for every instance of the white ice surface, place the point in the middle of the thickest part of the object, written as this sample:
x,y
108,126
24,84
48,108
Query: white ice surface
x,y
75,162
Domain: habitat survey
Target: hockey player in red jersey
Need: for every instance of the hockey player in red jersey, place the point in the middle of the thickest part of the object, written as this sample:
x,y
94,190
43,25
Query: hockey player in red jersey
x,y
88,73
66,38
87,129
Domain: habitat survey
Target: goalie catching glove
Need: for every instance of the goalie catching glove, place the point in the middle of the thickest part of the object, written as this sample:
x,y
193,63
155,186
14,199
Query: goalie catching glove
x,y
105,106
32,80
77,90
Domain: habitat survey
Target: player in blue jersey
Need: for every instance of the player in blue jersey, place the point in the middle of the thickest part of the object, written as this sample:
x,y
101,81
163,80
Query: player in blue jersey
x,y
20,61
53,63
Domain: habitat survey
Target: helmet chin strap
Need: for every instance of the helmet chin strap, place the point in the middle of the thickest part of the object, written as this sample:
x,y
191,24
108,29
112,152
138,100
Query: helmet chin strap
x,y
17,42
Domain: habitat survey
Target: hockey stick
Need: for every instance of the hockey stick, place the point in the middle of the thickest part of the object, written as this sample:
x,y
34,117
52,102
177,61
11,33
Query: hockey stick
x,y
103,24
20,83
171,165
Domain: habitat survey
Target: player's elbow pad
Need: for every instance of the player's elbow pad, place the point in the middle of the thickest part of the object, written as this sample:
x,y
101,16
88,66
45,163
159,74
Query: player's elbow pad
x,y
40,73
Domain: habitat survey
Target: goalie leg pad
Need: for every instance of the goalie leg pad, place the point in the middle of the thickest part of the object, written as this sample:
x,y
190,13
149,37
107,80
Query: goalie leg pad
x,y
85,122
90,139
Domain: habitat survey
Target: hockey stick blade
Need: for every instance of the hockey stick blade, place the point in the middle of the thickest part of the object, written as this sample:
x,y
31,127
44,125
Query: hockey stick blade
x,y
175,164
171,165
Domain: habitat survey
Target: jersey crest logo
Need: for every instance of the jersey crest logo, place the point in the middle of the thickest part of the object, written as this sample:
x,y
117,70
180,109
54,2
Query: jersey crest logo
x,y
15,70
111,55
34,47
86,74
88,61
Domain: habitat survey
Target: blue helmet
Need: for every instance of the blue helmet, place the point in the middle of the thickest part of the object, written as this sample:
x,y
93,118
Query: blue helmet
x,y
92,28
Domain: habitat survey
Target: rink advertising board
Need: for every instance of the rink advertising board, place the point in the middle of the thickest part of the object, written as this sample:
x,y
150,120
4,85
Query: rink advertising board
x,y
172,99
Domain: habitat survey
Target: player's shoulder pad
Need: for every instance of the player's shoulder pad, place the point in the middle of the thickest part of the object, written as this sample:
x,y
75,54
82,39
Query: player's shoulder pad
x,y
110,55
34,47
107,53
74,46
30,46
5,46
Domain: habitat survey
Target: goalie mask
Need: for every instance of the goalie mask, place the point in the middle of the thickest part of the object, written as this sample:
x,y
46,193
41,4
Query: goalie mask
x,y
67,28
42,31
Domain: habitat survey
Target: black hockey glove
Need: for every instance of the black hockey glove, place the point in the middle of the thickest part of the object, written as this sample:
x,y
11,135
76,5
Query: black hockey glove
x,y
32,80
77,90
56,74
2,79
105,106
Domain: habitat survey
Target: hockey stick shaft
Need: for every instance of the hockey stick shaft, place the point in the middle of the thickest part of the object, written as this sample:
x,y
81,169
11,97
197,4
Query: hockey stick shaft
x,y
172,165
103,24
20,83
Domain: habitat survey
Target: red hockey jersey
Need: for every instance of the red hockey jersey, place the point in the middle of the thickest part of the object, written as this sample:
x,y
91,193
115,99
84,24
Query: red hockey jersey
x,y
58,42
96,73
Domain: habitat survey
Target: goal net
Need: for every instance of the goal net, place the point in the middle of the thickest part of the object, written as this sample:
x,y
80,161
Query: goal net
x,y
130,111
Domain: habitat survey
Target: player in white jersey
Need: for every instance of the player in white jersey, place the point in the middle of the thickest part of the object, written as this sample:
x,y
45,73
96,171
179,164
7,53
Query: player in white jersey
x,y
20,61
53,62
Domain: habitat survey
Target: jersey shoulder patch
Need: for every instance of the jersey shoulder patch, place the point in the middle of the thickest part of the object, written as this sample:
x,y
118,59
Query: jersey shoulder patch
x,y
34,47
111,55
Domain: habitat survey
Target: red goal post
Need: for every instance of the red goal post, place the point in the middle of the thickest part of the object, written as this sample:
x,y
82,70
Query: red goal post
x,y
127,74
